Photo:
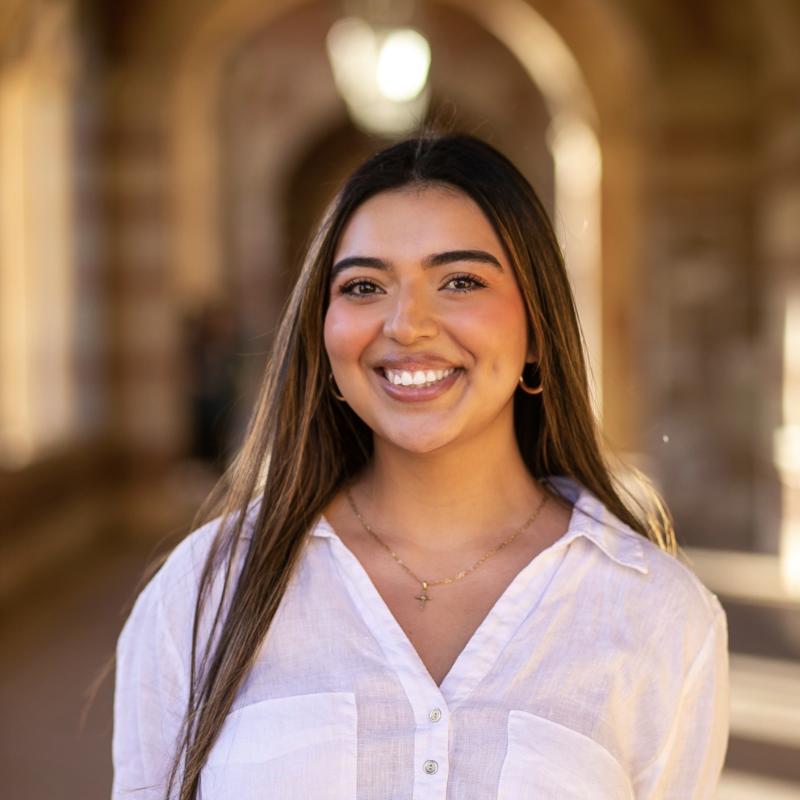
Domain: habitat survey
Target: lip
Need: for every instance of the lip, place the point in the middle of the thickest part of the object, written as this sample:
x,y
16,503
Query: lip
x,y
417,394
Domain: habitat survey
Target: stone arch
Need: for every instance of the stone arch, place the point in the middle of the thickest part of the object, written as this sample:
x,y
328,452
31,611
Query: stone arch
x,y
592,102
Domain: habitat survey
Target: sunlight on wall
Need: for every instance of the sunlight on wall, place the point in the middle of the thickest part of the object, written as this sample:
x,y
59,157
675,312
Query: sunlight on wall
x,y
787,447
575,149
15,422
36,265
578,171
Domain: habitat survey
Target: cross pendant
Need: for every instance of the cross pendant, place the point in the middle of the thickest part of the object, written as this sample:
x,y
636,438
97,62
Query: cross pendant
x,y
423,597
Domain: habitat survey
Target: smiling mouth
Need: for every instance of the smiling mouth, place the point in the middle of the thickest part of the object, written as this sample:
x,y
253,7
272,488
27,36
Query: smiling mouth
x,y
416,378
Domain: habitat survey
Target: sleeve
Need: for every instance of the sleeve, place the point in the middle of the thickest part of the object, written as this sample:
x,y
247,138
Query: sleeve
x,y
689,760
149,700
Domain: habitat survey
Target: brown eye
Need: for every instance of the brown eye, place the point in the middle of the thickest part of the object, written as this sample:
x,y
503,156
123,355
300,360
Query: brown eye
x,y
465,283
360,288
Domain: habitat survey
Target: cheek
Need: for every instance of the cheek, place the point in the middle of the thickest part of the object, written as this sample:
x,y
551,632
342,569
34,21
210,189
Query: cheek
x,y
345,334
499,330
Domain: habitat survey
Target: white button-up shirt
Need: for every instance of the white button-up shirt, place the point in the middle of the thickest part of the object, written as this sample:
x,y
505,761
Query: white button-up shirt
x,y
601,672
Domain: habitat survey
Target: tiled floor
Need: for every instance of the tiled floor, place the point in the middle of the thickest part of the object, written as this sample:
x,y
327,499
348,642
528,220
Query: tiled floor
x,y
54,744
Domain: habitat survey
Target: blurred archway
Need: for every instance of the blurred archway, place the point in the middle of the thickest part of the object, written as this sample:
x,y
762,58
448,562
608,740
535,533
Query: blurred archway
x,y
526,37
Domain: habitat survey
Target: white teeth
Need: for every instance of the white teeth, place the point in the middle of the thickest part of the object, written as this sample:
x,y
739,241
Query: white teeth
x,y
418,377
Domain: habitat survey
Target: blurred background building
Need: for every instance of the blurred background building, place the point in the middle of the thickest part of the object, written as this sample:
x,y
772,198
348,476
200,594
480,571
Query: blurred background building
x,y
161,166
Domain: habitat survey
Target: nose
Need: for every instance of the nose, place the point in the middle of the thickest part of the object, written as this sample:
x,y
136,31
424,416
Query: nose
x,y
411,316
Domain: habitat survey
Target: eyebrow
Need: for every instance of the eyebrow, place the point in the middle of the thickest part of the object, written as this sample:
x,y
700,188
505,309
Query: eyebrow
x,y
435,260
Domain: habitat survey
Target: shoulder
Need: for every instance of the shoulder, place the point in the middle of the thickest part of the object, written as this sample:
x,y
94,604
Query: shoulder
x,y
653,590
166,606
180,574
683,627
176,581
688,620
674,582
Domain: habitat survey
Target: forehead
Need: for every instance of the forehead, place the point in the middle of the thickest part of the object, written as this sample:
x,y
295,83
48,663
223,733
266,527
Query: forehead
x,y
415,222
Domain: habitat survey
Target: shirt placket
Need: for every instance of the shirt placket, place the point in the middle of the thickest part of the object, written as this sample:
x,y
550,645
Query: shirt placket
x,y
429,707
431,745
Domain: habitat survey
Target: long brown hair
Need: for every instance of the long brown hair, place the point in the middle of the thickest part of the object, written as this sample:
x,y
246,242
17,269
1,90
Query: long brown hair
x,y
302,445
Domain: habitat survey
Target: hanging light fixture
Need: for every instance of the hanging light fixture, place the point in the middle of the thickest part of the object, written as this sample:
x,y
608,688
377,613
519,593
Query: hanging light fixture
x,y
381,73
403,63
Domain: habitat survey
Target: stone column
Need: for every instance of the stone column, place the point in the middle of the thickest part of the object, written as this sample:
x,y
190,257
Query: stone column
x,y
699,304
778,256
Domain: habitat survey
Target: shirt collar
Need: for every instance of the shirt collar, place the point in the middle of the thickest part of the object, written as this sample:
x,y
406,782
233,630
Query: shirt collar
x,y
590,519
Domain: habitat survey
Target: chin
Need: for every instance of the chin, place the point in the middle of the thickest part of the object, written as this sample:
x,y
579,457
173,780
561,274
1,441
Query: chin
x,y
417,442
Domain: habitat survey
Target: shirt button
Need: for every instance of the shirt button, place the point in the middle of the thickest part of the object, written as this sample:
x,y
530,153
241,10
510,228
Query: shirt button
x,y
435,715
430,767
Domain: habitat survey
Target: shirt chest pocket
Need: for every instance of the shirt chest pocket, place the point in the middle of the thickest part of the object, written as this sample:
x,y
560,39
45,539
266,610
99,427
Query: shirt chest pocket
x,y
288,747
548,761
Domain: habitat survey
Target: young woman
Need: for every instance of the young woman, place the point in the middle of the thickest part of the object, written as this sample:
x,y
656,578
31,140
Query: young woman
x,y
420,578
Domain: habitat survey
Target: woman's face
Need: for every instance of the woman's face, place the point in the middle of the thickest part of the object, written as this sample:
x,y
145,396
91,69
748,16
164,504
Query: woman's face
x,y
426,329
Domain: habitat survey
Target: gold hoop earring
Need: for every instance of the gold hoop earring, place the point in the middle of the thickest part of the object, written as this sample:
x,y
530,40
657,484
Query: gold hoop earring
x,y
527,389
334,387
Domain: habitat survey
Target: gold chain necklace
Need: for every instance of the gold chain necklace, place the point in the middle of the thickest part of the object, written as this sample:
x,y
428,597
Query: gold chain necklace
x,y
424,597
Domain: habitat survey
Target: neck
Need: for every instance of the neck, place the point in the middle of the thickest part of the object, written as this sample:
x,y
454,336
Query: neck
x,y
449,499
